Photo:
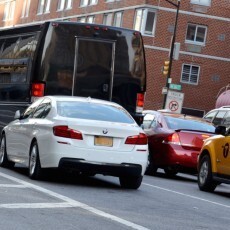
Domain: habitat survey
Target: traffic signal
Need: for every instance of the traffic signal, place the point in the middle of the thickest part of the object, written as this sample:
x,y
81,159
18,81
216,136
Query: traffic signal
x,y
166,68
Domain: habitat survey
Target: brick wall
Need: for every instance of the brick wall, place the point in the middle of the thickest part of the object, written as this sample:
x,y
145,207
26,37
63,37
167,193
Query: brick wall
x,y
213,58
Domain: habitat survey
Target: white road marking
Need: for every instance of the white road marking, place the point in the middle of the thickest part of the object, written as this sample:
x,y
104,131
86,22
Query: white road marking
x,y
183,194
70,202
12,186
37,205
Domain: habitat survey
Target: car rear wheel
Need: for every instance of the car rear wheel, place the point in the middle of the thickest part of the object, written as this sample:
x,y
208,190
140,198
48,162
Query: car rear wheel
x,y
4,162
205,181
170,171
131,182
35,171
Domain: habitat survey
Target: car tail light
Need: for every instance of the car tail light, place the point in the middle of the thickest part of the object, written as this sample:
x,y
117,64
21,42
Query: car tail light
x,y
173,139
140,139
65,131
38,89
140,102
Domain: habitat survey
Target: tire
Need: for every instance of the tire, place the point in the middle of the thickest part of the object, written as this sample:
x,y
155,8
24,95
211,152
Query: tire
x,y
170,171
205,181
35,171
131,182
4,162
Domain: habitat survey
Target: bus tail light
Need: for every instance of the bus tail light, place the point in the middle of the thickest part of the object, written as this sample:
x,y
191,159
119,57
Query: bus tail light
x,y
140,102
38,89
65,131
140,139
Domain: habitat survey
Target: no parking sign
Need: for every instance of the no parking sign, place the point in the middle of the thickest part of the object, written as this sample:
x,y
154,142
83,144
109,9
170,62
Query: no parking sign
x,y
174,101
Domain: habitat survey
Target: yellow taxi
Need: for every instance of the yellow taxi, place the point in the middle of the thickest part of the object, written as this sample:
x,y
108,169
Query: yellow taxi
x,y
214,160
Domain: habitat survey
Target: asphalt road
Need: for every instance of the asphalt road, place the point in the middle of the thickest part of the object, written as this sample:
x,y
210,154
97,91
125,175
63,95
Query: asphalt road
x,y
67,201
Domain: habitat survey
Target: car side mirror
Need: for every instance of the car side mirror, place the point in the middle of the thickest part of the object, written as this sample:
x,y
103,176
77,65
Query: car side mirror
x,y
220,130
17,115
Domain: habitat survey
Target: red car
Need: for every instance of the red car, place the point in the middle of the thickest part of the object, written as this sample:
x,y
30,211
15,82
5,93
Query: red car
x,y
174,141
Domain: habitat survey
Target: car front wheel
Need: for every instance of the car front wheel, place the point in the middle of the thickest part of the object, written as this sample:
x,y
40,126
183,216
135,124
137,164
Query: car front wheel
x,y
205,181
35,171
131,182
4,162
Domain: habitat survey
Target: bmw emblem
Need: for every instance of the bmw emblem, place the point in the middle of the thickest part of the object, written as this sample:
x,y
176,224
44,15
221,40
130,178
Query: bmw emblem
x,y
105,131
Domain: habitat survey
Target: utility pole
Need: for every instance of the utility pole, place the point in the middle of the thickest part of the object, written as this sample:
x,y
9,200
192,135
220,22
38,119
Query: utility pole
x,y
172,47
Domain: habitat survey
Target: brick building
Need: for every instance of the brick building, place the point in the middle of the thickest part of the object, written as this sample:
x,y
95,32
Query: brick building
x,y
203,31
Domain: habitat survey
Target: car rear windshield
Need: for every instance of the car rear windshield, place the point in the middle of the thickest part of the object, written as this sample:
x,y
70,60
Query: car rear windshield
x,y
178,123
93,111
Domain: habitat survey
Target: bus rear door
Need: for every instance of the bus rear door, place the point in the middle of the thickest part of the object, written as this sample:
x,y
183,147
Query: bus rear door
x,y
94,68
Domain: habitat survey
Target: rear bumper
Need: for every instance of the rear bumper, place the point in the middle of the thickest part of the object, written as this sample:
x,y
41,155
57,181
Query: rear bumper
x,y
124,169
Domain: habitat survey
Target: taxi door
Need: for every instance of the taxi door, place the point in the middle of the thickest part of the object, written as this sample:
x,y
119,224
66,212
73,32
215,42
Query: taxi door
x,y
222,149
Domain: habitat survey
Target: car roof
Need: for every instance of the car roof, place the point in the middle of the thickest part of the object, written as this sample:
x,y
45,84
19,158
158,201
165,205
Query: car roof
x,y
175,115
82,99
222,108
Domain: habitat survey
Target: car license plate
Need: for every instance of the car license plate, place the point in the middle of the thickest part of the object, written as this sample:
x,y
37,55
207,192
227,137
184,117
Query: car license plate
x,y
103,141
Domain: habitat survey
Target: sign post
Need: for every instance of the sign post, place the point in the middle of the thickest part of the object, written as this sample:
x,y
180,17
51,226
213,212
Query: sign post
x,y
174,101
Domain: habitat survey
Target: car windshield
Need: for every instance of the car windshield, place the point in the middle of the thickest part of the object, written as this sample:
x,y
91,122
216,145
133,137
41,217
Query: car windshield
x,y
179,123
93,111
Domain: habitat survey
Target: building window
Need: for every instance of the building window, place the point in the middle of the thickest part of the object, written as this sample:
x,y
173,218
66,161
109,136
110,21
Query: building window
x,y
107,20
93,2
196,34
25,8
201,2
81,19
9,11
88,2
190,74
64,4
43,6
117,21
112,0
145,21
89,19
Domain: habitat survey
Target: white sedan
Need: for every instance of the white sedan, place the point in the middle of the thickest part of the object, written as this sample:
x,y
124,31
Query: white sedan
x,y
87,135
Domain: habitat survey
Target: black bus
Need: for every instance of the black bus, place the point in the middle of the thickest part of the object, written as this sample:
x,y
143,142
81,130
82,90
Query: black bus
x,y
70,58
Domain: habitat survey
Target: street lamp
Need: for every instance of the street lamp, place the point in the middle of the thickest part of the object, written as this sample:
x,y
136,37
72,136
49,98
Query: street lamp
x,y
172,47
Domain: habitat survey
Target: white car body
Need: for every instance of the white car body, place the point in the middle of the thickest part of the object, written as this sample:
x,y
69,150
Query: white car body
x,y
21,133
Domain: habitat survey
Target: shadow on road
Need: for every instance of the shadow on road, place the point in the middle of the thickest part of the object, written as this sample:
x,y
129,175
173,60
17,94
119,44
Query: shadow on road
x,y
178,177
71,178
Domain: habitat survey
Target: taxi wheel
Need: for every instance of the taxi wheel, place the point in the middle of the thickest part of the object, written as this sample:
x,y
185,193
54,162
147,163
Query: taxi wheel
x,y
205,181
4,162
35,171
131,182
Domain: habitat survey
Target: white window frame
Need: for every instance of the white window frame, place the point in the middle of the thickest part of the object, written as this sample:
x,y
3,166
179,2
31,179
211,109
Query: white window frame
x,y
194,41
64,5
90,19
190,74
93,2
112,1
141,19
61,5
106,17
43,6
69,4
81,19
116,22
25,8
84,3
9,10
201,2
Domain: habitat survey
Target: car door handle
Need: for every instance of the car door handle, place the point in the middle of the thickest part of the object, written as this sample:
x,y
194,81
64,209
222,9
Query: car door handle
x,y
218,161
